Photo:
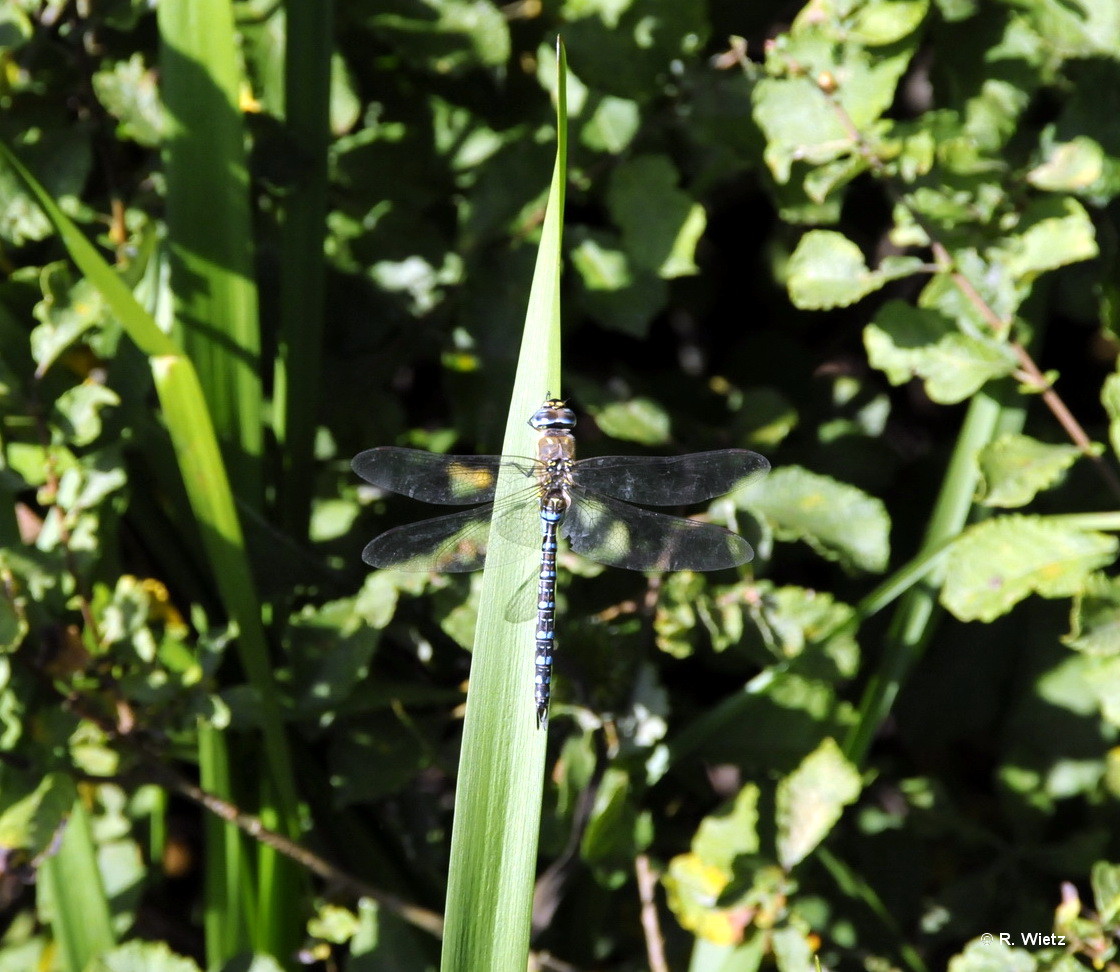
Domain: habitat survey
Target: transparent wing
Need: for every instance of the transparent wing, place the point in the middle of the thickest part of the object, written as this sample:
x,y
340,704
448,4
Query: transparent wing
x,y
618,535
435,478
670,480
458,542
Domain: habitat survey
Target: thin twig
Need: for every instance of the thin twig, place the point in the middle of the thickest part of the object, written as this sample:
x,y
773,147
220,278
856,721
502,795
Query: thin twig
x,y
153,768
998,325
651,925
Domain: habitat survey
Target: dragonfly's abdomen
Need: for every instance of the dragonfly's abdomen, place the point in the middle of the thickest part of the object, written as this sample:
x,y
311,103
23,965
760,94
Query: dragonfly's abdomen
x,y
554,504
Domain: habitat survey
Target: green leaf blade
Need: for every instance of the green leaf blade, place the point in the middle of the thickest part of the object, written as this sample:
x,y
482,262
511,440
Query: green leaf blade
x,y
997,563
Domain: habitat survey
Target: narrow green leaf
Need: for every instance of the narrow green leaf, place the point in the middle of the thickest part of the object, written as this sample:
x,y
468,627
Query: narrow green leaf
x,y
498,798
839,521
906,342
307,95
209,226
811,799
997,563
1015,468
76,898
828,270
204,476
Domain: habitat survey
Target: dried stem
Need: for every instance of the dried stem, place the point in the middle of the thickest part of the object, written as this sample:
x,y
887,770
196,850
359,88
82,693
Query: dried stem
x,y
651,926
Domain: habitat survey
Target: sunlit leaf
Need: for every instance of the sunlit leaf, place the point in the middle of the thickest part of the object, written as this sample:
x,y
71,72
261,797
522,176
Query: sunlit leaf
x,y
828,270
811,799
907,342
996,563
838,520
1016,468
1095,617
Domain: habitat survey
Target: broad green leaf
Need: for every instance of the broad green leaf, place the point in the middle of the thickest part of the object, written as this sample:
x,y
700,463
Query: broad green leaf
x,y
620,296
906,342
887,21
997,563
839,521
1015,468
1095,617
811,799
828,270
140,956
612,125
129,92
989,954
801,623
62,152
30,823
78,411
610,834
799,124
1054,232
768,417
729,832
1110,398
637,420
692,888
792,950
1070,166
67,312
660,224
1106,890
445,36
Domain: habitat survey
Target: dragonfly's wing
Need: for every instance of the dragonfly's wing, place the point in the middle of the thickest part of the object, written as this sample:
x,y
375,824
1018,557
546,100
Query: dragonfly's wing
x,y
435,478
446,544
670,480
459,542
614,533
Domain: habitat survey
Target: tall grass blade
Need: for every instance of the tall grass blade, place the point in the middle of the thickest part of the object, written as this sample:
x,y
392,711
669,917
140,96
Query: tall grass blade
x,y
299,346
497,804
204,476
209,229
78,904
915,616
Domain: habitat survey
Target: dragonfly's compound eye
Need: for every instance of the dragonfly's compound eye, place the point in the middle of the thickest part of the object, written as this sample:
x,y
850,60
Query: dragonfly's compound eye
x,y
552,415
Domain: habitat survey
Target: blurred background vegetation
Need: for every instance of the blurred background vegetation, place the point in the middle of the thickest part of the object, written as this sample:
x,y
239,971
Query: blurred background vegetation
x,y
874,240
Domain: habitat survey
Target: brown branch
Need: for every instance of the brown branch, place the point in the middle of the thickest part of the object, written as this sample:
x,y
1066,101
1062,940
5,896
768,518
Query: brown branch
x,y
651,926
251,825
1036,379
154,769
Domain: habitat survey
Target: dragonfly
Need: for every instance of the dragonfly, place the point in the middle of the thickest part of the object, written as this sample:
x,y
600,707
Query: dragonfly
x,y
586,501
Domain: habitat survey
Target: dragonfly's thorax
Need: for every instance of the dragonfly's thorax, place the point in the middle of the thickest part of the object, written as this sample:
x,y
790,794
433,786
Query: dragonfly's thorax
x,y
556,455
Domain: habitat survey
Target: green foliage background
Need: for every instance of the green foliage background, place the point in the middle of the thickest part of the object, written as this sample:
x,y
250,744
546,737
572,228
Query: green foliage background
x,y
875,240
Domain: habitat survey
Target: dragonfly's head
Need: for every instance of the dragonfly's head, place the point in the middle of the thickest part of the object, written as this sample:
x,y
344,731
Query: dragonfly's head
x,y
553,416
